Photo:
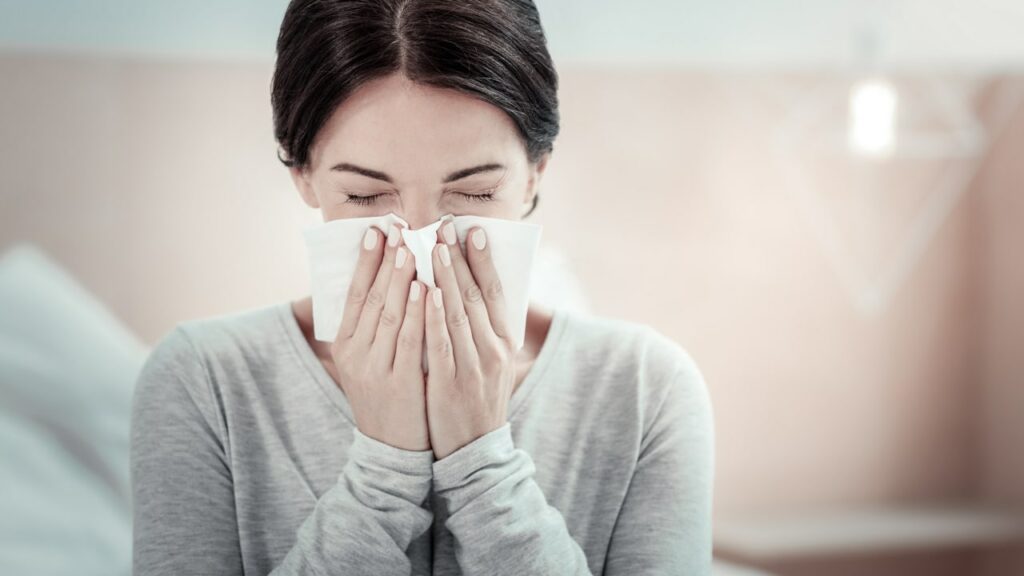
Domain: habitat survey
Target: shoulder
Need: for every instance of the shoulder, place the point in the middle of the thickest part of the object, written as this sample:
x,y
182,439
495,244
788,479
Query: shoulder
x,y
182,362
226,344
636,364
615,344
241,332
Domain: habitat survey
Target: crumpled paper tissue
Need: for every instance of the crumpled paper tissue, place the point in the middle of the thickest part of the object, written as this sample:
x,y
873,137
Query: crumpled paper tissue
x,y
333,250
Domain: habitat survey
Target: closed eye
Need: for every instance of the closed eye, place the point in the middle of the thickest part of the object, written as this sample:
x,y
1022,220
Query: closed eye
x,y
365,200
362,199
477,197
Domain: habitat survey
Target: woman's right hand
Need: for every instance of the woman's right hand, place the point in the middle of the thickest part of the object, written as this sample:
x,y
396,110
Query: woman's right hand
x,y
379,347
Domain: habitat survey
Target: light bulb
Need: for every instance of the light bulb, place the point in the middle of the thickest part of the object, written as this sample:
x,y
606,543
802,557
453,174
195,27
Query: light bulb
x,y
872,123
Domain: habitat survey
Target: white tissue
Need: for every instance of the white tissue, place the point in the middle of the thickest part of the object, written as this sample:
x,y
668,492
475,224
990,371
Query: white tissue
x,y
334,247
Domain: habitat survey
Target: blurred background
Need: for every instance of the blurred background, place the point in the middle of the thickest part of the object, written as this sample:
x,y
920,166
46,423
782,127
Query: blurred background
x,y
823,202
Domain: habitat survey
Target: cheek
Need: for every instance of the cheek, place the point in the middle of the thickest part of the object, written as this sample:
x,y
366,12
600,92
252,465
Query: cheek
x,y
338,210
332,206
509,206
336,213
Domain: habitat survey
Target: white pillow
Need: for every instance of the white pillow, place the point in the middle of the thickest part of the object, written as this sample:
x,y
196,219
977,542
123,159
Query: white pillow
x,y
67,370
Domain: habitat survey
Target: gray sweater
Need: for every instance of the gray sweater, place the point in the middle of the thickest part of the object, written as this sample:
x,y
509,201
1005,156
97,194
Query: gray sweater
x,y
245,459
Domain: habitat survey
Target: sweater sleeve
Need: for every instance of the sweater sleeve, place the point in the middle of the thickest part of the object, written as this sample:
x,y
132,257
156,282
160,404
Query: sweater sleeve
x,y
497,514
664,525
183,496
366,521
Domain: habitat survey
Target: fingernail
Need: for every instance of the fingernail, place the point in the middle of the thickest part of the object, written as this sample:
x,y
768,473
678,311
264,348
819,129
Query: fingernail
x,y
479,239
400,257
370,240
449,233
393,236
437,298
446,258
414,291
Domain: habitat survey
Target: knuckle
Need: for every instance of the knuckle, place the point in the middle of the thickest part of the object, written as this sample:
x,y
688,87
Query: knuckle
x,y
508,342
346,377
468,382
408,342
356,296
339,350
494,290
376,368
375,298
443,347
389,319
472,294
457,393
457,319
495,351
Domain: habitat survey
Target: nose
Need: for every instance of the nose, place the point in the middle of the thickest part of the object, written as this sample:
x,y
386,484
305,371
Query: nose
x,y
417,219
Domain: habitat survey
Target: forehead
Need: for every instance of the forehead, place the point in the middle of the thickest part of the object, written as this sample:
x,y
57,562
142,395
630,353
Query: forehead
x,y
392,122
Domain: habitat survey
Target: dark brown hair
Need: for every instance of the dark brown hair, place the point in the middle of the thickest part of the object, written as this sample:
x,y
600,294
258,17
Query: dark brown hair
x,y
494,50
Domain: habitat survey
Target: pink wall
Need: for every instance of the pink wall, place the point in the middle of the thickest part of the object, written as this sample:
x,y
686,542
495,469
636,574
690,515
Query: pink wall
x,y
1000,193
156,184
1001,417
817,402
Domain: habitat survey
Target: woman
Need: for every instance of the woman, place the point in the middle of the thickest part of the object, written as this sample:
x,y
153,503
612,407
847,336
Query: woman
x,y
258,449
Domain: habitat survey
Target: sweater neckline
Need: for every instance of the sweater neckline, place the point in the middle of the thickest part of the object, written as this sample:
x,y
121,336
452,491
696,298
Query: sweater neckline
x,y
327,385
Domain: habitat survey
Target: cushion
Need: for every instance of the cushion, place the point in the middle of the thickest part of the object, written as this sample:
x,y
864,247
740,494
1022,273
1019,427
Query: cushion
x,y
67,371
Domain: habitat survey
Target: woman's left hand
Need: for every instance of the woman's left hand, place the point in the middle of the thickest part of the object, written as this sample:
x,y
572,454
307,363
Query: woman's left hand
x,y
470,354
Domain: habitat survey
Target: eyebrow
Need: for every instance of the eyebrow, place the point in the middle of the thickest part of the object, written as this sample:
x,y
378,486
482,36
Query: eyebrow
x,y
457,175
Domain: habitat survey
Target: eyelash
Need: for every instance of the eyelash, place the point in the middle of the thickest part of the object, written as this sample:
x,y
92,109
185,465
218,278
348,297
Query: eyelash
x,y
363,200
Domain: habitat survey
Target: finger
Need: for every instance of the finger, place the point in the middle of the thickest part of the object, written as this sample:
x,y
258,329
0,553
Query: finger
x,y
370,255
440,361
456,319
366,329
472,297
409,352
394,308
481,263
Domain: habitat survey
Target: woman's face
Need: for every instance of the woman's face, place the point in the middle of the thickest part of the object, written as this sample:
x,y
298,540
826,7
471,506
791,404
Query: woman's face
x,y
420,152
